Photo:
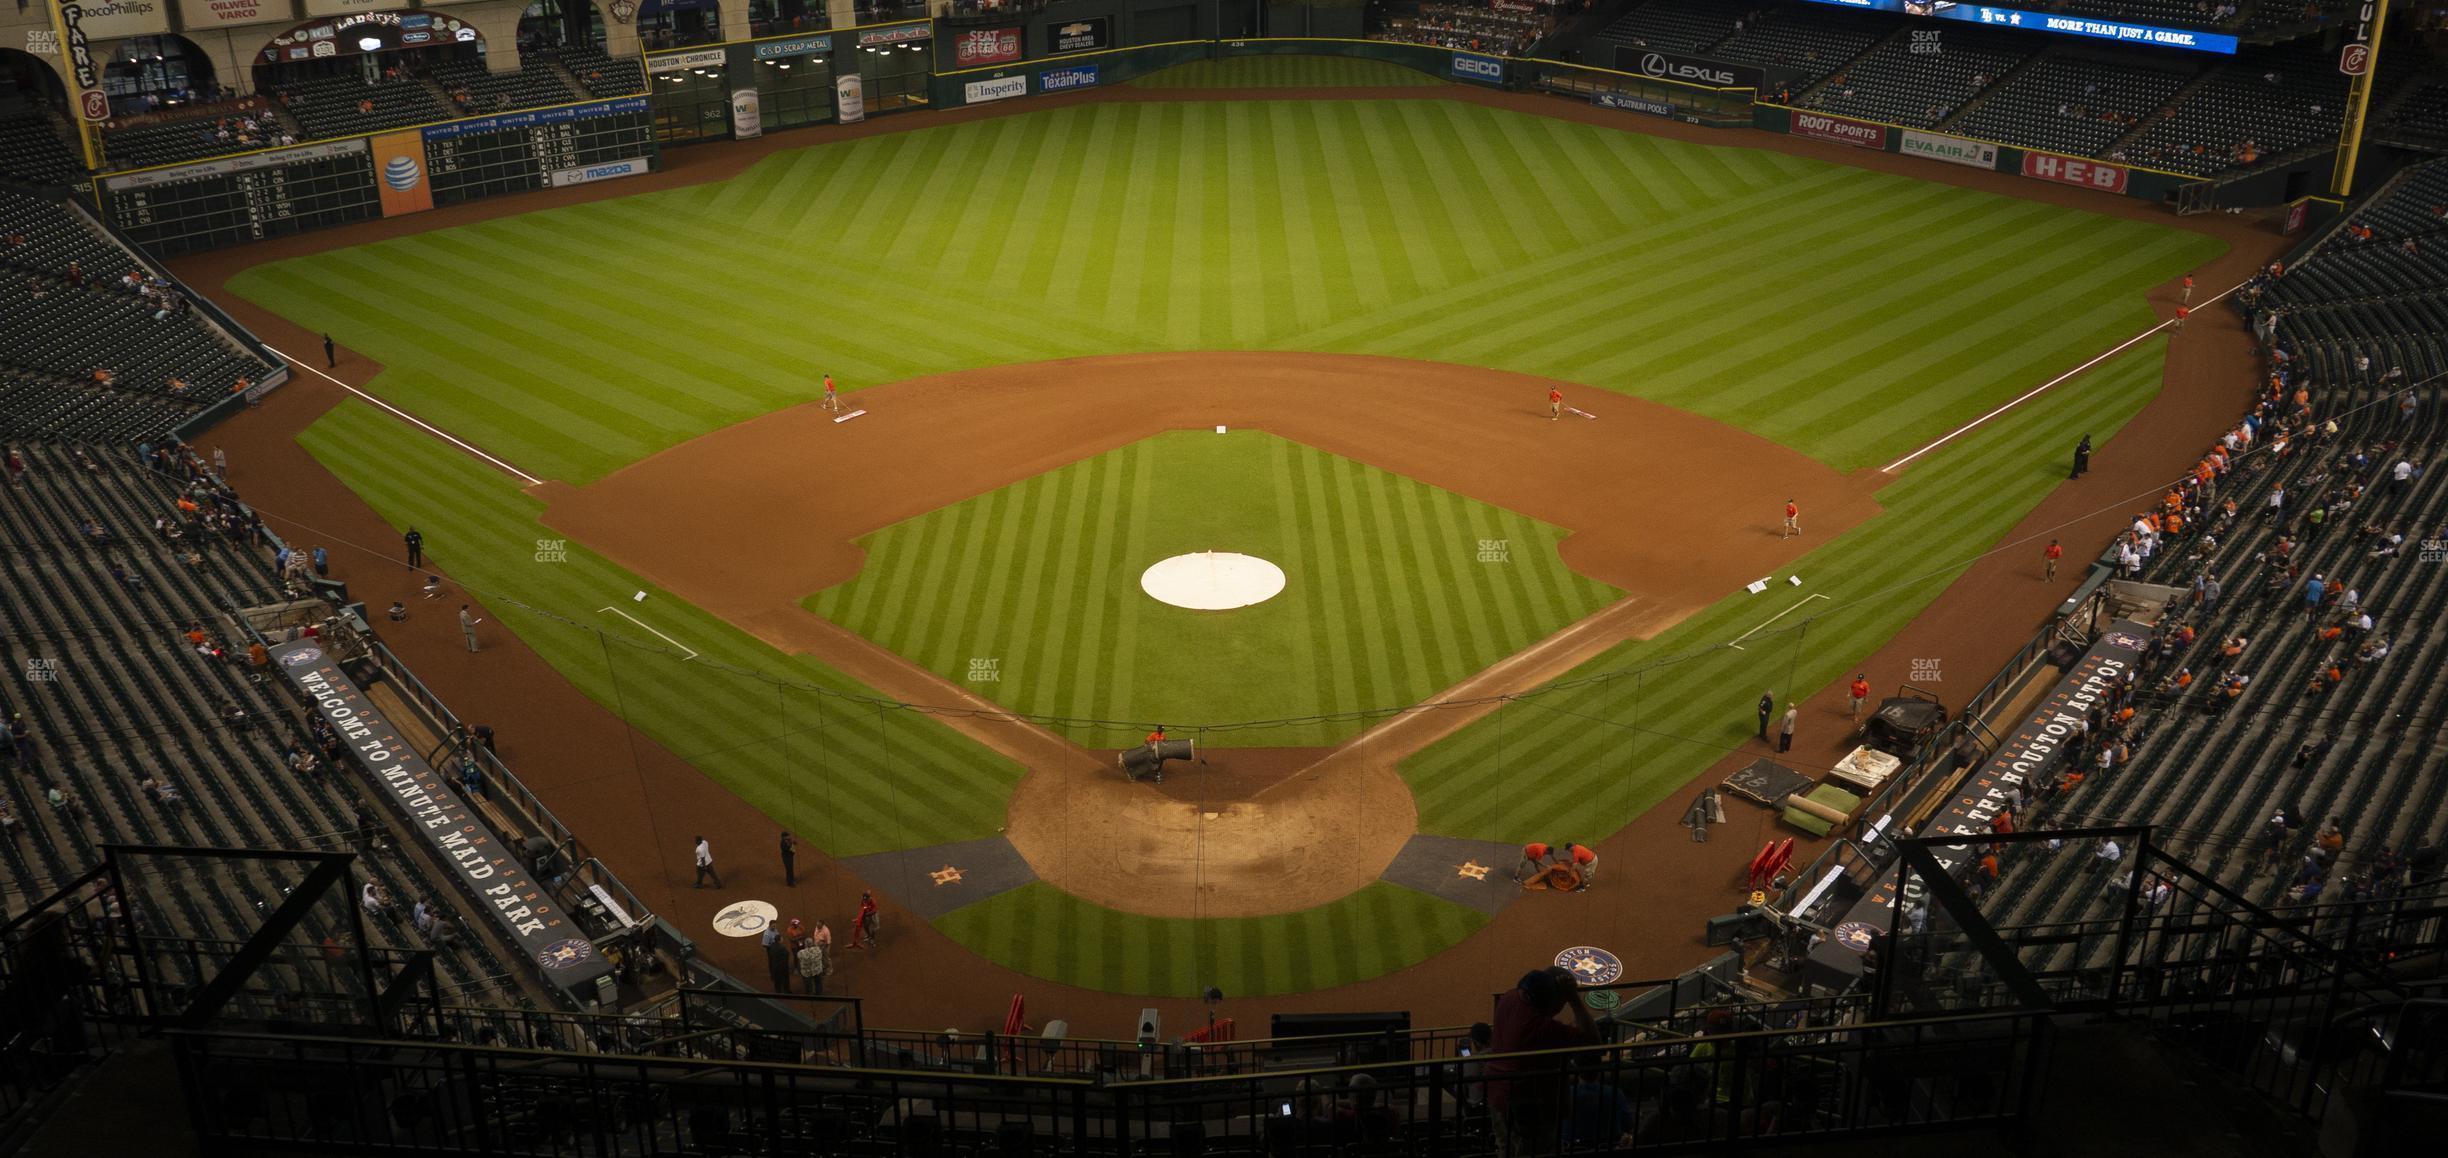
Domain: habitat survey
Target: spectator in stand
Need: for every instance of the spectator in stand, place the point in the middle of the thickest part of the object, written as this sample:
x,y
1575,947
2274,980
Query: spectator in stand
x,y
1526,1110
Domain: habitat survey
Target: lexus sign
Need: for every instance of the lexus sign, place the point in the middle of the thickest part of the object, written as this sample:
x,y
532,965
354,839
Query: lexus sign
x,y
1696,70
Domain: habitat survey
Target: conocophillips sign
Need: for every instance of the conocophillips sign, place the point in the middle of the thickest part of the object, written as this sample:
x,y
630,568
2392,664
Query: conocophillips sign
x,y
1952,150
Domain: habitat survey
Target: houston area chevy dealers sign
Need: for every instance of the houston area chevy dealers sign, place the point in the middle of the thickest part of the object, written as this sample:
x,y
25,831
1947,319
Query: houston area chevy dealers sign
x,y
1859,134
2074,171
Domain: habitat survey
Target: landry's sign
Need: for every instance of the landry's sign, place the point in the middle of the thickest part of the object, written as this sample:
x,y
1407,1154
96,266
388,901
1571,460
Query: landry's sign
x,y
450,826
895,34
2025,760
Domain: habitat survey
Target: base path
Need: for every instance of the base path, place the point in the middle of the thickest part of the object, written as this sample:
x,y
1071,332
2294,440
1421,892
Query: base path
x,y
1658,885
1676,509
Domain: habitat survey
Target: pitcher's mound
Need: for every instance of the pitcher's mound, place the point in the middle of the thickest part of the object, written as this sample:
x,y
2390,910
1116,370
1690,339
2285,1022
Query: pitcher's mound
x,y
1213,581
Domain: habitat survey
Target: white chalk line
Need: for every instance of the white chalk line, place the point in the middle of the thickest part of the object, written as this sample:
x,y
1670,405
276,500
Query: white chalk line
x,y
411,419
2044,387
1797,606
692,652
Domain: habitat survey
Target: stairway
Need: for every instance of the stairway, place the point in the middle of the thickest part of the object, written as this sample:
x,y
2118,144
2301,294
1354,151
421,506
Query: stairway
x,y
1996,85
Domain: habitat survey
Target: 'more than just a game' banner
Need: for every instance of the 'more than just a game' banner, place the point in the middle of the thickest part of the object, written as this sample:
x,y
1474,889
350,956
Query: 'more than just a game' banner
x,y
2000,16
1842,130
2025,759
458,838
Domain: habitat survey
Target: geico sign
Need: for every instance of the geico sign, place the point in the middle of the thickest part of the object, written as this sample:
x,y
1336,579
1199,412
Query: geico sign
x,y
1655,64
1477,66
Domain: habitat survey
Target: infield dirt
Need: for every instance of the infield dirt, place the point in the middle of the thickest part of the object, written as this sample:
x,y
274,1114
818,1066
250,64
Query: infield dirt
x,y
1660,885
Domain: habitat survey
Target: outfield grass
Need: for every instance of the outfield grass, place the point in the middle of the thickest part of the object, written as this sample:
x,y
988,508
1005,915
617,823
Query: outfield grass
x,y
1630,743
1287,72
1045,932
836,771
1850,315
1386,598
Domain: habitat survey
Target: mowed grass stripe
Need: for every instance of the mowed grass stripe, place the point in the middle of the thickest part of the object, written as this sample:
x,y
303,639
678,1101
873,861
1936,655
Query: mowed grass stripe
x,y
483,531
1698,709
1380,572
1425,170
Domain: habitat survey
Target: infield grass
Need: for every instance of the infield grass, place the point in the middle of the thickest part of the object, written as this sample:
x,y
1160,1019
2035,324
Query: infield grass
x,y
1849,315
1394,590
829,767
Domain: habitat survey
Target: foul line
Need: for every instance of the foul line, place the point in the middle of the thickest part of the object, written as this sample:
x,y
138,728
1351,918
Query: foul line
x,y
692,652
1798,605
2042,388
411,419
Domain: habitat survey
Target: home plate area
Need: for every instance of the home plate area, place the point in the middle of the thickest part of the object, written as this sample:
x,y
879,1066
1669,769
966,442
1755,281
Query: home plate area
x,y
1477,873
939,878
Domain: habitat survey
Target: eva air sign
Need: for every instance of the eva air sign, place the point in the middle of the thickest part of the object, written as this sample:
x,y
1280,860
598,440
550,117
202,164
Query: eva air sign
x,y
1484,69
1952,150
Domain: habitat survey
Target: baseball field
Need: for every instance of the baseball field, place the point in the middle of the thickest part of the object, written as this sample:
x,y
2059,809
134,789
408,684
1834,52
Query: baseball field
x,y
1045,316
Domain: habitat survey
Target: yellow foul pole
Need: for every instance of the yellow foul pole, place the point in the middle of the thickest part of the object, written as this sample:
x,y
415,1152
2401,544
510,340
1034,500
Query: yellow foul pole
x,y
84,76
2360,59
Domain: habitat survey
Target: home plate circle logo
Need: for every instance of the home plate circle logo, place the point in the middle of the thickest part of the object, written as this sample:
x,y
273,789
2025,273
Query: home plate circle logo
x,y
745,919
1591,965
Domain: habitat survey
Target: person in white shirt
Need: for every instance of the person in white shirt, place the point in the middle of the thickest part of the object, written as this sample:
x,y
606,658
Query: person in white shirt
x,y
705,865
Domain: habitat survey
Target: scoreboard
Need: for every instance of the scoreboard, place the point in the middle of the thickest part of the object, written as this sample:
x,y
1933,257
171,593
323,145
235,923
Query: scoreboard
x,y
277,192
516,152
246,198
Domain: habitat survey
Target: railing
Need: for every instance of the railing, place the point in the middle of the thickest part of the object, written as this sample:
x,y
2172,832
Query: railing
x,y
1920,773
254,1090
505,788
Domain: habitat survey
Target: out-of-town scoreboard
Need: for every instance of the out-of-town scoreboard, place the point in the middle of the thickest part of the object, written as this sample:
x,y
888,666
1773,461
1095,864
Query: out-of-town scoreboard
x,y
277,192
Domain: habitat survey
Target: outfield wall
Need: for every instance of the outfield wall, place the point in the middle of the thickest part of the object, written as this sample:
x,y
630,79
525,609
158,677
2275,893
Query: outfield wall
x,y
1945,148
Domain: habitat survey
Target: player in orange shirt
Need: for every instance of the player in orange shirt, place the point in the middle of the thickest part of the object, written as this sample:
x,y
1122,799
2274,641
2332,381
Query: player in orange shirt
x,y
1555,402
2048,559
832,400
1859,693
1793,520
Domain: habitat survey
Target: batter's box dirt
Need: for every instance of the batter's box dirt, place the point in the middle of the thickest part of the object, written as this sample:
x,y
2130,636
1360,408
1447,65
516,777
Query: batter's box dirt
x,y
1477,873
939,878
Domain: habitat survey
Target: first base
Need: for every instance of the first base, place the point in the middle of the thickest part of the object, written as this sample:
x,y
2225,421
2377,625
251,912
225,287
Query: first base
x,y
841,418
